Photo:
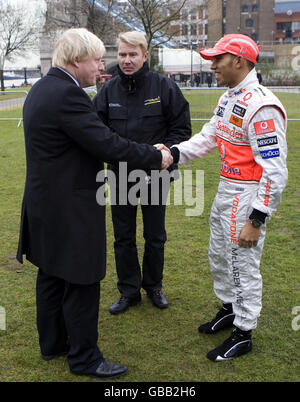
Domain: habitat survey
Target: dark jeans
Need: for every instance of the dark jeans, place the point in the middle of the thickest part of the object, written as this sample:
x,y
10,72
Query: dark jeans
x,y
130,277
67,318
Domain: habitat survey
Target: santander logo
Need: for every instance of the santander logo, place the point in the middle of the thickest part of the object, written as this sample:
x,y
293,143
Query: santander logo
x,y
231,131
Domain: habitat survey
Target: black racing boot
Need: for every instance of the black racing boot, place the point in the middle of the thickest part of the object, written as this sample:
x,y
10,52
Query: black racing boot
x,y
236,345
224,319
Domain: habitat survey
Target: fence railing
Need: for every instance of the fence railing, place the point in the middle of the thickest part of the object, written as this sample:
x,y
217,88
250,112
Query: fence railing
x,y
11,101
202,101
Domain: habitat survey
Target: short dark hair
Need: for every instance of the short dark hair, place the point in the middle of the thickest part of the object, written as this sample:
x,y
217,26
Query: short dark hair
x,y
250,65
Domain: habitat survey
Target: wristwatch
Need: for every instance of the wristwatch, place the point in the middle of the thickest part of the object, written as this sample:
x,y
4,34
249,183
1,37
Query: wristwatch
x,y
255,223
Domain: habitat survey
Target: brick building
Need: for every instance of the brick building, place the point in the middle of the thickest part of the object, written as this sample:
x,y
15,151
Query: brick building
x,y
191,27
254,18
287,22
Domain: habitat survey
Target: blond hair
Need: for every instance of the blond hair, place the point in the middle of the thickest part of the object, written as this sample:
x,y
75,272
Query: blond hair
x,y
76,44
133,38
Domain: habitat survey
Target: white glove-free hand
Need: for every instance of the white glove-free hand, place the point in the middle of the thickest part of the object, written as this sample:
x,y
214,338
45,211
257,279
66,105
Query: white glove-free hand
x,y
167,159
160,147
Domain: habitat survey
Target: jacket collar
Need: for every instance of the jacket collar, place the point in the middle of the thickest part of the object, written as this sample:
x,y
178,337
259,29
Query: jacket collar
x,y
57,72
132,81
250,80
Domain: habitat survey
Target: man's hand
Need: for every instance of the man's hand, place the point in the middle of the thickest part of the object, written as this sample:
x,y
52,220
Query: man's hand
x,y
160,147
167,159
249,236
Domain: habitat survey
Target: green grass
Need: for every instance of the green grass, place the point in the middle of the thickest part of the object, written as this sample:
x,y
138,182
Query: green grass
x,y
203,105
14,93
159,345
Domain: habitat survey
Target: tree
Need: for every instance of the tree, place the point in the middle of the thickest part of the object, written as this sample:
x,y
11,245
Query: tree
x,y
155,17
110,17
78,13
17,32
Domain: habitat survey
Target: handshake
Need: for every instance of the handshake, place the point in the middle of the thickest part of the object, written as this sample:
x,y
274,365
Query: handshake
x,y
167,158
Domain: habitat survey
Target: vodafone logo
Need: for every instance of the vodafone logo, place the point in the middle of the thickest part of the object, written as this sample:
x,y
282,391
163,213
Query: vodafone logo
x,y
222,151
264,127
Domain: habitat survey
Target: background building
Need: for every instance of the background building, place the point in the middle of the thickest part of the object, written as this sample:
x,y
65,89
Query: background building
x,y
254,18
274,24
287,22
191,27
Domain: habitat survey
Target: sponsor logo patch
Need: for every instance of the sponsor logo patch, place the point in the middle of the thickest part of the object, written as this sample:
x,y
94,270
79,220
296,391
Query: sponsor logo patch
x,y
267,192
264,127
220,111
236,121
271,153
232,132
263,142
240,91
114,105
229,170
247,97
240,111
151,101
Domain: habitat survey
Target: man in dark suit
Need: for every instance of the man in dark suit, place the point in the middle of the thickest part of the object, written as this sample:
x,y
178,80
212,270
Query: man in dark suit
x,y
62,226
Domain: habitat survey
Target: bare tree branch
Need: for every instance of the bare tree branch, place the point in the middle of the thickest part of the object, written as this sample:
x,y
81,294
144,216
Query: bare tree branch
x,y
18,32
156,16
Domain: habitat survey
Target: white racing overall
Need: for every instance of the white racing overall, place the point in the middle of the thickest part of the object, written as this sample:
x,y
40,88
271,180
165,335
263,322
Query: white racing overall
x,y
248,126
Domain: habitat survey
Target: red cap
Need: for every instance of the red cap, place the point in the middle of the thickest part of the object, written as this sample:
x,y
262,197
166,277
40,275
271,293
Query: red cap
x,y
237,44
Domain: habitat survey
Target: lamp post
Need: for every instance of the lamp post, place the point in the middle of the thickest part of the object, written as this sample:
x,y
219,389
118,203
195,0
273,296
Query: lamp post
x,y
191,62
25,76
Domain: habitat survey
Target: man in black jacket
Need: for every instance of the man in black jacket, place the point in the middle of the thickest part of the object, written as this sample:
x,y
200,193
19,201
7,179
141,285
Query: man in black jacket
x,y
148,108
62,226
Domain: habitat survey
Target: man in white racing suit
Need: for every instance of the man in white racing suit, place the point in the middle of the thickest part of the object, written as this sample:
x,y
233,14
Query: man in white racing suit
x,y
248,127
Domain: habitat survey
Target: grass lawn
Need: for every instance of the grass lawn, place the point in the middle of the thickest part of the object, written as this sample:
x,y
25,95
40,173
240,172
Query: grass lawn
x,y
12,93
159,345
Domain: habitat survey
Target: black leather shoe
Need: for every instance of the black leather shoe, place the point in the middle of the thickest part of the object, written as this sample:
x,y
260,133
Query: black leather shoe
x,y
158,298
123,304
50,357
106,371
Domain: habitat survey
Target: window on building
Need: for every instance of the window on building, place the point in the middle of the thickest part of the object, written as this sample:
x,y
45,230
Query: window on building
x,y
288,34
194,14
254,8
194,29
283,26
184,14
249,22
295,26
244,8
184,29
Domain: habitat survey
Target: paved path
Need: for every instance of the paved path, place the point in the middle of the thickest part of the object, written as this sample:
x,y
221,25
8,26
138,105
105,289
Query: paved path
x,y
11,103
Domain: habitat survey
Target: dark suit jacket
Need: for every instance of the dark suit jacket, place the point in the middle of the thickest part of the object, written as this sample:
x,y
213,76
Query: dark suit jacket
x,y
62,226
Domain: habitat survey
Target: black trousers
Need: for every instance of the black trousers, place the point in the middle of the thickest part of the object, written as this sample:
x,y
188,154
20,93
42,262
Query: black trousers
x,y
130,277
67,318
